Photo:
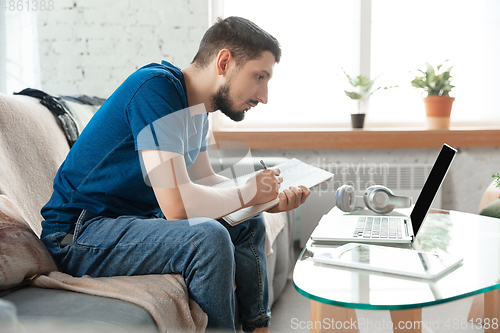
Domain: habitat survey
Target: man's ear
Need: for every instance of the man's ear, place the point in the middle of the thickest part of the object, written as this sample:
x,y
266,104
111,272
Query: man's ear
x,y
222,61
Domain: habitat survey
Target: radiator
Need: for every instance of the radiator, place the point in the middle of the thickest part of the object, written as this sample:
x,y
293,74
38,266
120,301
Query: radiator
x,y
402,179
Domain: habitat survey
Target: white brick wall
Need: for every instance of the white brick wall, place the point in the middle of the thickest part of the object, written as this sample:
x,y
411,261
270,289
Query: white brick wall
x,y
91,46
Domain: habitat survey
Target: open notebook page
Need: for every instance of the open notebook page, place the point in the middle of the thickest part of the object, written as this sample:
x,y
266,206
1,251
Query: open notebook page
x,y
294,173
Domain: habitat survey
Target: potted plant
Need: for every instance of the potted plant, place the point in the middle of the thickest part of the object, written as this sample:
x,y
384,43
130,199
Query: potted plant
x,y
360,92
497,179
438,103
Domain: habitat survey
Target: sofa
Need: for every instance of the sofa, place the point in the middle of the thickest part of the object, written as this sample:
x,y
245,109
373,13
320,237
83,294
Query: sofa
x,y
33,143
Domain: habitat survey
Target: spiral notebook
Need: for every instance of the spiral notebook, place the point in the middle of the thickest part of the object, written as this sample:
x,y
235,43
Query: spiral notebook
x,y
294,173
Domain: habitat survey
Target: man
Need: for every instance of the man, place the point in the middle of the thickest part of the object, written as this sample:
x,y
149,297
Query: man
x,y
133,195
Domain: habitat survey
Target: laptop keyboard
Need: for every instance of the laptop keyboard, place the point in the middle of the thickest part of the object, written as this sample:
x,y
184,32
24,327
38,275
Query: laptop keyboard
x,y
379,227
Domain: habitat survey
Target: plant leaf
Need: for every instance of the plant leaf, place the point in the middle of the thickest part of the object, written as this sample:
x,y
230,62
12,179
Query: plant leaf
x,y
435,83
353,95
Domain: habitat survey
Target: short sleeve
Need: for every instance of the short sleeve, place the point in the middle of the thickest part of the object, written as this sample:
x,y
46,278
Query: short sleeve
x,y
157,116
206,126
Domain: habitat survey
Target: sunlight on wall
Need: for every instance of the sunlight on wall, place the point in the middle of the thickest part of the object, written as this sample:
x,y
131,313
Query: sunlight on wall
x,y
22,65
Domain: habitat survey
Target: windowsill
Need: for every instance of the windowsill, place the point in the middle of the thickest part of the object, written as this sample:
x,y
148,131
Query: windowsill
x,y
459,136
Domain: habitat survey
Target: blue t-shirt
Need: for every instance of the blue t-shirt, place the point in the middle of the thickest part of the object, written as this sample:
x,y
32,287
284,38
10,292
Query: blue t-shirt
x,y
103,172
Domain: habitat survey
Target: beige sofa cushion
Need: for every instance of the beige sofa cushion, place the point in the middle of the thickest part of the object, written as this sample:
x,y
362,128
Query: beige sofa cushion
x,y
22,254
32,147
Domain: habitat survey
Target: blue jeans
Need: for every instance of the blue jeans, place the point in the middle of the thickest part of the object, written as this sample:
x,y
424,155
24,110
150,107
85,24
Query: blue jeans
x,y
209,254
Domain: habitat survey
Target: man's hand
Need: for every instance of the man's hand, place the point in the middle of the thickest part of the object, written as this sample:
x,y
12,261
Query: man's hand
x,y
263,187
291,198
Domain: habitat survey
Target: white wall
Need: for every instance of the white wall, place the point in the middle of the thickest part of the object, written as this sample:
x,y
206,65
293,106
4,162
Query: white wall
x,y
91,46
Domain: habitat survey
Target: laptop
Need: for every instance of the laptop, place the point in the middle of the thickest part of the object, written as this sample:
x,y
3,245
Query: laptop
x,y
392,227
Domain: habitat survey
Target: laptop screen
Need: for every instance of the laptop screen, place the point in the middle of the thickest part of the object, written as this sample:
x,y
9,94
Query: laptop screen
x,y
431,186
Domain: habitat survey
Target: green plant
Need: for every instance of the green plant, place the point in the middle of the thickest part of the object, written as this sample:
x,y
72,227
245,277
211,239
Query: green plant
x,y
434,82
497,180
361,87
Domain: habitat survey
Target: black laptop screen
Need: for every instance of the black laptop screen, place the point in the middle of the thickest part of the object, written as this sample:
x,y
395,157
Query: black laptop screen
x,y
431,186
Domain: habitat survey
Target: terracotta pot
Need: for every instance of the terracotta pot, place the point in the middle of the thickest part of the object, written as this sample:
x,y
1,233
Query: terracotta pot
x,y
438,110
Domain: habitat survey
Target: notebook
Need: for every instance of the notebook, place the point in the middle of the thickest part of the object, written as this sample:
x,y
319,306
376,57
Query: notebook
x,y
392,227
294,173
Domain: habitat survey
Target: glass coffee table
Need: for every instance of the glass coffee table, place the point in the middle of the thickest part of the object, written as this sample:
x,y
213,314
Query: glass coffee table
x,y
336,292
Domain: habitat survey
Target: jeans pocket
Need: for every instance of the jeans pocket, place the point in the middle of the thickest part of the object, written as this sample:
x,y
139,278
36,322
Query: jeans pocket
x,y
85,215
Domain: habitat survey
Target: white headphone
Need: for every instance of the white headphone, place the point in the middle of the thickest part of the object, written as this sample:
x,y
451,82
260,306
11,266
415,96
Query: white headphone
x,y
377,198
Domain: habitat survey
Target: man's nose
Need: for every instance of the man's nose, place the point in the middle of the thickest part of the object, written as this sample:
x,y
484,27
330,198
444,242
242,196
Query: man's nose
x,y
262,94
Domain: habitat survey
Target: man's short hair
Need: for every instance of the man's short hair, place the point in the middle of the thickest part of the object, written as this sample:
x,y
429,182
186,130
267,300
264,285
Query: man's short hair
x,y
242,37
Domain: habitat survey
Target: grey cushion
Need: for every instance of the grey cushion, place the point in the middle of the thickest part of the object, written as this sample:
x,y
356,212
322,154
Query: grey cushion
x,y
277,266
38,304
280,263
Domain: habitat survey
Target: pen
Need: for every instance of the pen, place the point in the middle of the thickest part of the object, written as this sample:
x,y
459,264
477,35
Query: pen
x,y
263,164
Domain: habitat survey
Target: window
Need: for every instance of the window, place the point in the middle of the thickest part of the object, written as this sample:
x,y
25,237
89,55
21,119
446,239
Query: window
x,y
315,39
19,60
319,38
407,34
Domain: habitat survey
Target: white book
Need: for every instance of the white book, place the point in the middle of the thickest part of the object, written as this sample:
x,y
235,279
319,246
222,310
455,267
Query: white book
x,y
294,173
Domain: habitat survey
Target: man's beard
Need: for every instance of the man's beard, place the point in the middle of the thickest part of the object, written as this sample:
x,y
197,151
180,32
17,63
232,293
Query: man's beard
x,y
221,101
